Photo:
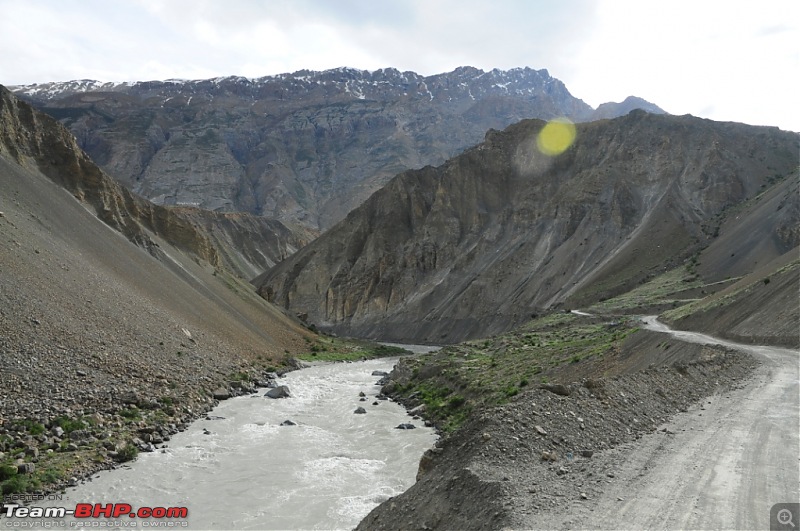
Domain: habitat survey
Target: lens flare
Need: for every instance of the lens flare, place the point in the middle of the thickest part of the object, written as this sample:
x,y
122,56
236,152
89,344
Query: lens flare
x,y
556,137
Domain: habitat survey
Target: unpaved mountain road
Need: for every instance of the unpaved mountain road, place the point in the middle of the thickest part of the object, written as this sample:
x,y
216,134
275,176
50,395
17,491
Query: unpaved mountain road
x,y
730,458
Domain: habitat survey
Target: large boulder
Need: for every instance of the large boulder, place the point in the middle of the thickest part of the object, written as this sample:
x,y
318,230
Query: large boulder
x,y
221,394
281,391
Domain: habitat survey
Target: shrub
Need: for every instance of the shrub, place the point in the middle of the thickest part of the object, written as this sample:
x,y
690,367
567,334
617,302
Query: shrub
x,y
7,471
69,425
129,452
456,401
34,428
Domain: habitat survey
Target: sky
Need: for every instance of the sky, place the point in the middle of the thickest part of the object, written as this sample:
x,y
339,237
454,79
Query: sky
x,y
728,60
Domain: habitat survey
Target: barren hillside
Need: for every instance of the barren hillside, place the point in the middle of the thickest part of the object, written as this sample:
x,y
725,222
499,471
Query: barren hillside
x,y
501,232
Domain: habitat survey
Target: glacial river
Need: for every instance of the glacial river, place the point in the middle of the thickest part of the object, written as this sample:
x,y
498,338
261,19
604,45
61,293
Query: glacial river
x,y
246,471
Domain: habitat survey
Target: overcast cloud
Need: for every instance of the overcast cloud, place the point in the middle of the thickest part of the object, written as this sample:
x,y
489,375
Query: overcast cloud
x,y
724,60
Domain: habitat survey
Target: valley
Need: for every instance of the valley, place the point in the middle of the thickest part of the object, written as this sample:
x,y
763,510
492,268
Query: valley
x,y
560,398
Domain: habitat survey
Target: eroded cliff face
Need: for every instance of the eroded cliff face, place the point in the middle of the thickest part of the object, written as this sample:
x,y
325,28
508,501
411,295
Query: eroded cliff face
x,y
245,244
502,231
306,147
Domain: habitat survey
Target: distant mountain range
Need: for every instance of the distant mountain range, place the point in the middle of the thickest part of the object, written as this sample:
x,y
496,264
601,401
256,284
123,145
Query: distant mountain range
x,y
305,147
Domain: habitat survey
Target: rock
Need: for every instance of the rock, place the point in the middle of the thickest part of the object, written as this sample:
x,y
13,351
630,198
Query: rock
x,y
419,410
561,471
584,496
221,394
540,430
32,451
362,399
360,411
380,373
129,397
281,391
288,423
362,394
549,456
77,435
485,436
587,453
72,447
559,389
26,468
405,426
57,431
425,463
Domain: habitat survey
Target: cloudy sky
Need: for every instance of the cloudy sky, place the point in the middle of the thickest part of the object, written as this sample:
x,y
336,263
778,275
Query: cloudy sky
x,y
720,59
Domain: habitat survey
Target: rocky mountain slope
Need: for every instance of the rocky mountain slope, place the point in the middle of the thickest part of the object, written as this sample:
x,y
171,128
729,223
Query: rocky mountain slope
x,y
118,319
243,243
501,232
304,147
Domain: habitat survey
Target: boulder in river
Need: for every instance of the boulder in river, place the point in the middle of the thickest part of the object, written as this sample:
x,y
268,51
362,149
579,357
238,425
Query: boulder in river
x,y
281,391
380,373
405,426
221,394
360,411
288,423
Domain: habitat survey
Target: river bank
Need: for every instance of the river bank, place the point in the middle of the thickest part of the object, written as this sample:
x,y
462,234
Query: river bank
x,y
554,451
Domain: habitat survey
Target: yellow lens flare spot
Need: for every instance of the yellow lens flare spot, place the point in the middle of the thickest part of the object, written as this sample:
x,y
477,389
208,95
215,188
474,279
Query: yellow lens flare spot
x,y
556,137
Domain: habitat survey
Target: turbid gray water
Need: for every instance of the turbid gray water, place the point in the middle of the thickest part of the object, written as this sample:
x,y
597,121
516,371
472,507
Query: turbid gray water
x,y
244,470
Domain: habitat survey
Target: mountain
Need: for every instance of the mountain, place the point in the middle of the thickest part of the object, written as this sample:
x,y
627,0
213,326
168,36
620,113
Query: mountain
x,y
631,103
502,231
245,244
761,277
108,302
305,147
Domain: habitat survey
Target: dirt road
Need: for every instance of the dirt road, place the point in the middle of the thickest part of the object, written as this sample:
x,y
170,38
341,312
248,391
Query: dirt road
x,y
729,460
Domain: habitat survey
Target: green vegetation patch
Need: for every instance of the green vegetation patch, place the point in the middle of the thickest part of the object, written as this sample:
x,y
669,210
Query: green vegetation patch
x,y
672,288
460,378
335,349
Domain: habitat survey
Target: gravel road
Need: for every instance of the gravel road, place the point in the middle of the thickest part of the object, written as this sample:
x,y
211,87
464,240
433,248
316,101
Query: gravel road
x,y
730,459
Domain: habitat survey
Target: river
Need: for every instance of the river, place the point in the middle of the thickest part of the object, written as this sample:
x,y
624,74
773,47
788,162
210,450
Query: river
x,y
243,470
